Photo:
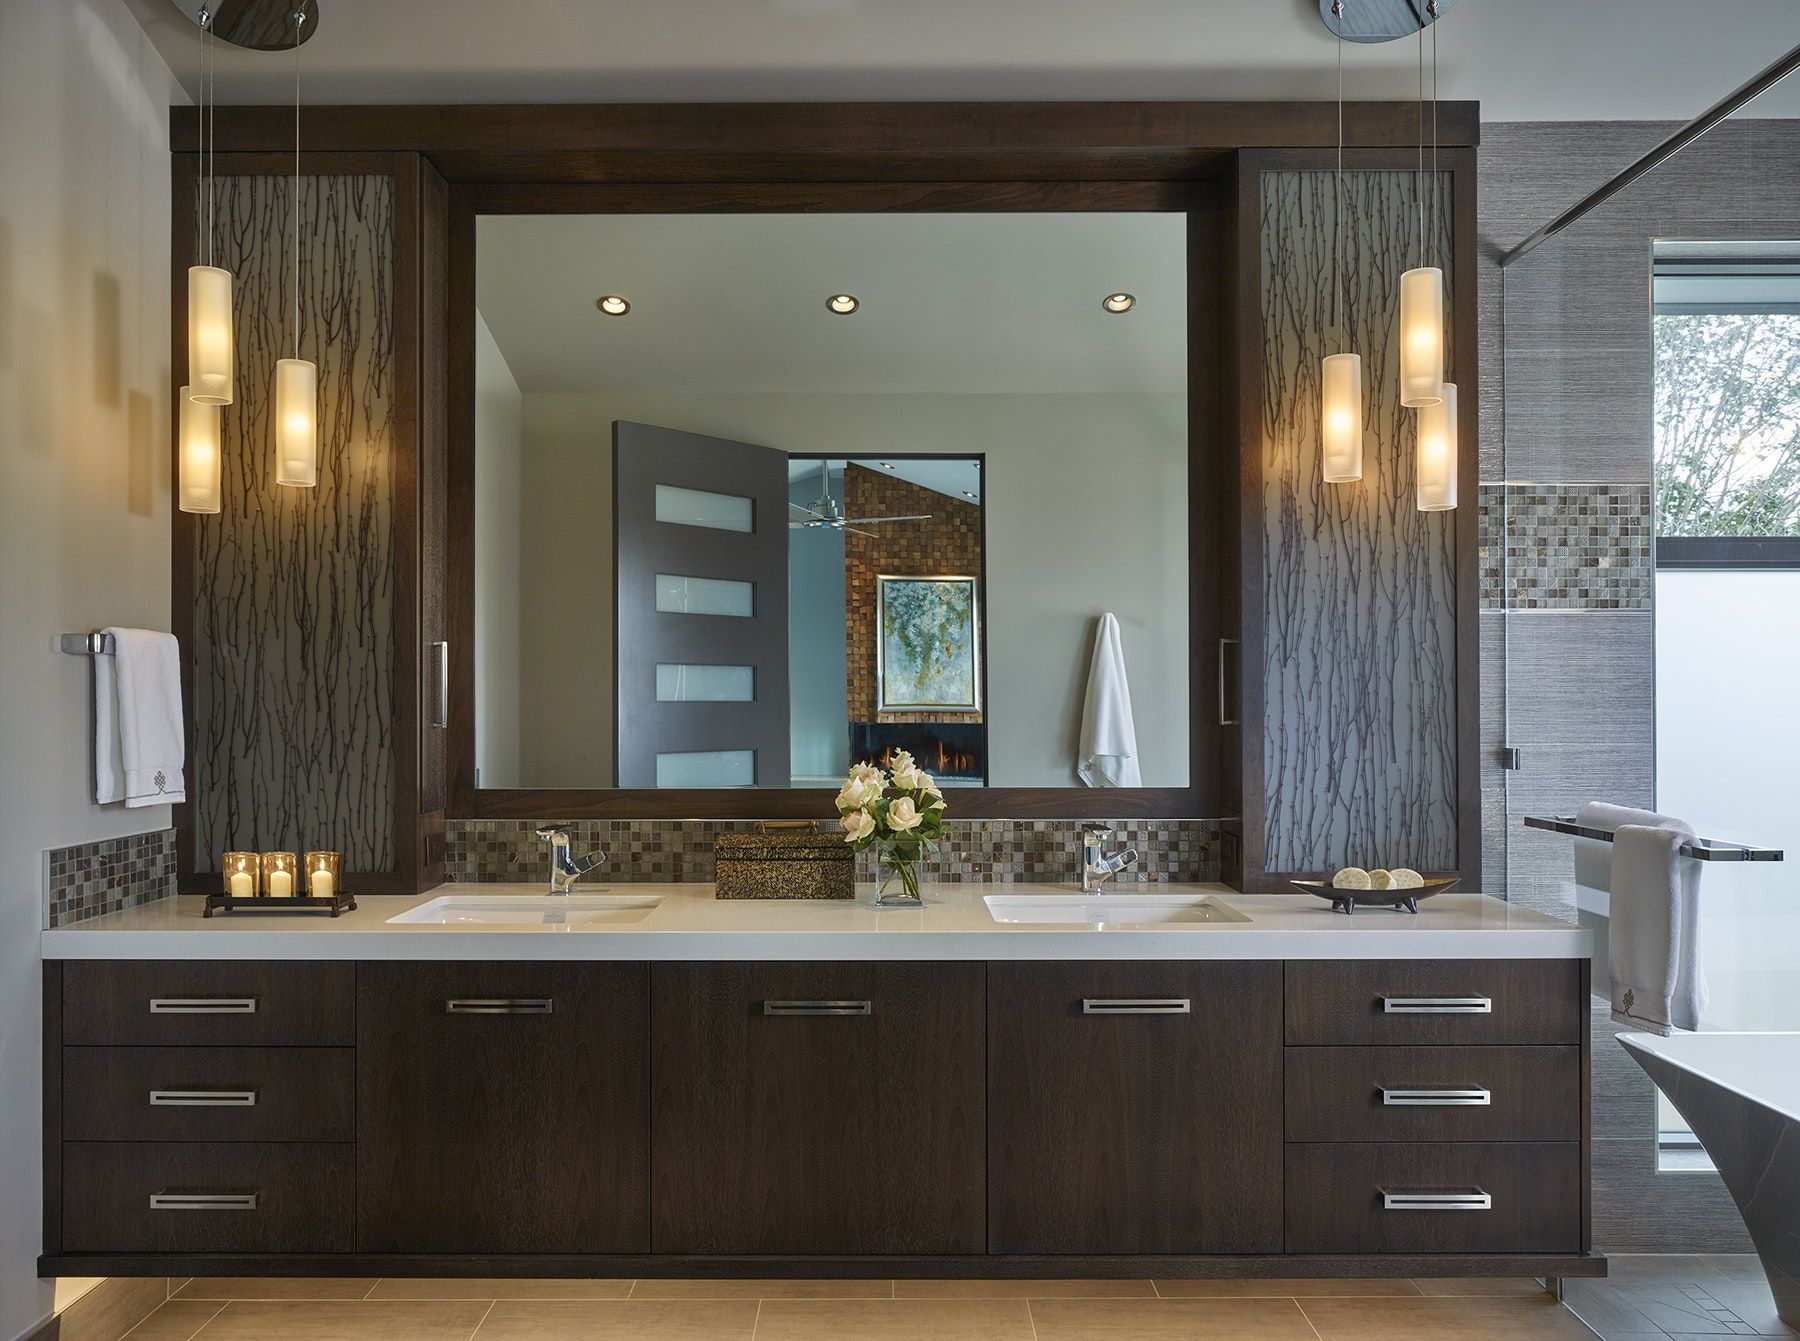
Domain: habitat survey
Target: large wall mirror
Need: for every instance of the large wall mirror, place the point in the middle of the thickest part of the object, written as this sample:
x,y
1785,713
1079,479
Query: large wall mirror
x,y
758,495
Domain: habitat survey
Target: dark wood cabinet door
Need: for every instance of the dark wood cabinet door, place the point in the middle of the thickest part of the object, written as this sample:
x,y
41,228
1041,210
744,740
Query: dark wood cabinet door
x,y
502,1107
1134,1108
817,1108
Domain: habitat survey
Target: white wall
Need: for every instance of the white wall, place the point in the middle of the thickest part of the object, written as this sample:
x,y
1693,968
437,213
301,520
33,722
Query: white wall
x,y
499,414
84,488
1087,512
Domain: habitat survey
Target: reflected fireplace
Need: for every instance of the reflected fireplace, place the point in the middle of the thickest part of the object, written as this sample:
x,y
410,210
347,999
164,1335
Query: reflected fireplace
x,y
949,751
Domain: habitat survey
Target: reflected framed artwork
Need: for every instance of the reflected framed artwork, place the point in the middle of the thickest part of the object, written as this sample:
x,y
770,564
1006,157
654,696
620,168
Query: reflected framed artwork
x,y
928,644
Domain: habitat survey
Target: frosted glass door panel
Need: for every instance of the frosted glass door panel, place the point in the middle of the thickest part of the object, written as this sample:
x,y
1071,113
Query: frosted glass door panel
x,y
705,684
704,596
707,768
698,507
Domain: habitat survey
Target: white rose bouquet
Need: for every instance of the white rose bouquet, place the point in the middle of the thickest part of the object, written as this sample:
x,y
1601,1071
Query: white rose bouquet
x,y
900,814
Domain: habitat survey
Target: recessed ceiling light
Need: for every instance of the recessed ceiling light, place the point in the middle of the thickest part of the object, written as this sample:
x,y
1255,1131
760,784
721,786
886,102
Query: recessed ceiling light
x,y
612,305
1118,302
843,304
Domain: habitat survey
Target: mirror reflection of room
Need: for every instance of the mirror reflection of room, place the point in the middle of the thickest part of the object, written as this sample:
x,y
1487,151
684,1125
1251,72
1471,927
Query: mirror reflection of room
x,y
762,496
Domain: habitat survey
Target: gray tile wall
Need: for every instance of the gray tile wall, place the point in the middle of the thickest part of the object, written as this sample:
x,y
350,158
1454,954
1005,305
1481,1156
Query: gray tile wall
x,y
1567,577
104,876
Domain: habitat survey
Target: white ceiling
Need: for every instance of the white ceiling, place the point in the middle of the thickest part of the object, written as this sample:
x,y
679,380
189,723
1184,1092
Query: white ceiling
x,y
1525,60
736,303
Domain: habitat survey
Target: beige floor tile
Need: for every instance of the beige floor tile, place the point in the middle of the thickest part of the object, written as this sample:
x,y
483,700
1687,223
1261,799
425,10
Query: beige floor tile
x,y
625,1320
893,1320
426,1287
1282,1289
275,1287
763,1289
340,1320
176,1320
1023,1289
1474,1287
1436,1319
1169,1320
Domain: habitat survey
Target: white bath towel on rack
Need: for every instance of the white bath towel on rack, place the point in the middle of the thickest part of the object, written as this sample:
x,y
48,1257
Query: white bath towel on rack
x,y
1653,920
139,751
1108,754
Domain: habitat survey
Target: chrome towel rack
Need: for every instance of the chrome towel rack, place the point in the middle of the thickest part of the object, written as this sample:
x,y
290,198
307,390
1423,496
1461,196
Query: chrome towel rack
x,y
1700,849
88,644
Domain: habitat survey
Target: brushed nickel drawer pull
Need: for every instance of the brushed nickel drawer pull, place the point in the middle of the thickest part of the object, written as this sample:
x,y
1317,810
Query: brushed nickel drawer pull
x,y
1437,1005
1135,1005
1436,1201
203,1201
1436,1098
818,1008
203,1005
202,1098
497,1005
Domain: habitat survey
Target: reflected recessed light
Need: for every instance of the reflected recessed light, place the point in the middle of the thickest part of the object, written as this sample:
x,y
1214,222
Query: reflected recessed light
x,y
612,305
968,493
842,303
1118,302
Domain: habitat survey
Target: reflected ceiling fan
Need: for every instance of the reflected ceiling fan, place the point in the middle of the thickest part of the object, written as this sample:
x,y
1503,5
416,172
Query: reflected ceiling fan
x,y
825,512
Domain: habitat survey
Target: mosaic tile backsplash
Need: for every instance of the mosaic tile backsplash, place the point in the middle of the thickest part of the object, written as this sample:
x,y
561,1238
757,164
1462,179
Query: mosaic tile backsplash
x,y
1005,851
103,877
1568,546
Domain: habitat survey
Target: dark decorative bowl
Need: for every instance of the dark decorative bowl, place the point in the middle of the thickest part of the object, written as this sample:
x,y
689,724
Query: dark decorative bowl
x,y
1349,900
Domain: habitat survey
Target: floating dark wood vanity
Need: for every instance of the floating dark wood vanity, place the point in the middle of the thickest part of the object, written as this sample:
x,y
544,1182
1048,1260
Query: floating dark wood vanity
x,y
1018,1117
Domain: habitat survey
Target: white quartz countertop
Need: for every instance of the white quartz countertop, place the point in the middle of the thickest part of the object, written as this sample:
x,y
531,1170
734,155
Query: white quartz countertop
x,y
690,924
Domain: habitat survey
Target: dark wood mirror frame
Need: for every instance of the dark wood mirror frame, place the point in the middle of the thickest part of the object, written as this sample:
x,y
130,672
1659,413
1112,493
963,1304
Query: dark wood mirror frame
x,y
457,162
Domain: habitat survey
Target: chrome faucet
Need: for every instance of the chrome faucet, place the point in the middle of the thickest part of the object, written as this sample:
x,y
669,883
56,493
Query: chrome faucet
x,y
1096,867
565,871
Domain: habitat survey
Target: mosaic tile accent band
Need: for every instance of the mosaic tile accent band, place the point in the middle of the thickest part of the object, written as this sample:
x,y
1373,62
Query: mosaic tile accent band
x,y
1004,851
1567,546
104,876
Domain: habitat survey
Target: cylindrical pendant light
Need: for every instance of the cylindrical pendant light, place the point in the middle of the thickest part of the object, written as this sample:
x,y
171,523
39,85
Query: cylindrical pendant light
x,y
1422,295
1437,453
1341,418
1340,375
296,379
199,453
296,423
211,375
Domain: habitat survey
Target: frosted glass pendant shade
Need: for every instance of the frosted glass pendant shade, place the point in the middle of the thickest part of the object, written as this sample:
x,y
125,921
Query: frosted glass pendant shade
x,y
1341,418
198,452
211,363
1421,336
296,423
1437,453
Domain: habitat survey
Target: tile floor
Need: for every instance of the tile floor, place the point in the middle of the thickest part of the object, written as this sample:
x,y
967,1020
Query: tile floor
x,y
1645,1299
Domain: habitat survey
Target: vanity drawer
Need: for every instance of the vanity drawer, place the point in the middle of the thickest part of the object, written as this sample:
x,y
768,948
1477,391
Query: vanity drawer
x,y
209,1094
1434,1094
1425,1198
1430,1001
208,1002
210,1197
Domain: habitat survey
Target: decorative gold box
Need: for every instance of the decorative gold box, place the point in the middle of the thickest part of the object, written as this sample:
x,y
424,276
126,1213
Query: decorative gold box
x,y
784,861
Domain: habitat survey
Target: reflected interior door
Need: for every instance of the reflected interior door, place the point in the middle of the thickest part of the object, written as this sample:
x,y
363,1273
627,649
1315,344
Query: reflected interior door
x,y
701,563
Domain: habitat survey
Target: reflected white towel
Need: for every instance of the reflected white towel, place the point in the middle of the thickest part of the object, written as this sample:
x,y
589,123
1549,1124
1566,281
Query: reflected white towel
x,y
138,746
1108,752
1653,932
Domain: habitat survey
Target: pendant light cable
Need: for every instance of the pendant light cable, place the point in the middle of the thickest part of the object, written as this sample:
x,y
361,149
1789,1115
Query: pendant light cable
x,y
1419,176
1337,208
1432,9
299,18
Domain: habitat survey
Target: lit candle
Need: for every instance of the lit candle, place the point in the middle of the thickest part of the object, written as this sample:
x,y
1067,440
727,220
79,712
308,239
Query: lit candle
x,y
281,884
243,885
321,884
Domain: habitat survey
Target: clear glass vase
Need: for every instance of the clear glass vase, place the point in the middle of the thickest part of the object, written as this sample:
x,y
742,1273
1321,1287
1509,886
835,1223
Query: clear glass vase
x,y
898,883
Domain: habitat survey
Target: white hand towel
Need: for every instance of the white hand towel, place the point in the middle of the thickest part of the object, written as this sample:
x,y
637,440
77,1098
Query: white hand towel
x,y
1108,751
1654,920
138,745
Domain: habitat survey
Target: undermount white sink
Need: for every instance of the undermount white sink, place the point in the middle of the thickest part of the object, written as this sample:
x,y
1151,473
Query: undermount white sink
x,y
1107,910
548,912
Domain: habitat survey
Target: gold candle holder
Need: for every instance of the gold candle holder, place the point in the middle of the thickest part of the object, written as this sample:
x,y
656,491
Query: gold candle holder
x,y
323,875
280,875
243,871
